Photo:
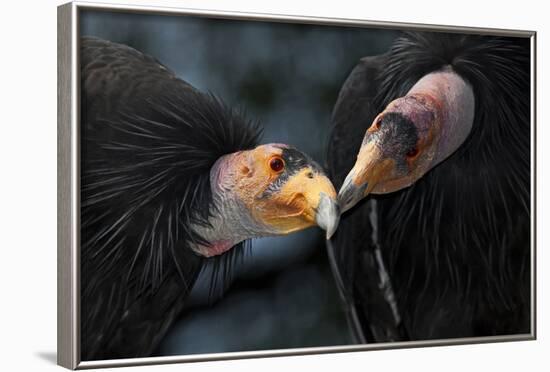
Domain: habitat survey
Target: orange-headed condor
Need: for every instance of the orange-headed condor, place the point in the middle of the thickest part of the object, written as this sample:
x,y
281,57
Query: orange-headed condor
x,y
171,176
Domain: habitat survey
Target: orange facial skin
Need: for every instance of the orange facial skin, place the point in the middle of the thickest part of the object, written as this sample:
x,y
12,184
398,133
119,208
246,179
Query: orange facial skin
x,y
267,191
287,206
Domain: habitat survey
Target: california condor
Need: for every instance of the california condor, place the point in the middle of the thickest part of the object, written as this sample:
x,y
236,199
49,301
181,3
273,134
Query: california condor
x,y
169,177
435,134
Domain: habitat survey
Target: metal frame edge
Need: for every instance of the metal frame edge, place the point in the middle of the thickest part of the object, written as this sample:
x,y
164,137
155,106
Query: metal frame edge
x,y
68,178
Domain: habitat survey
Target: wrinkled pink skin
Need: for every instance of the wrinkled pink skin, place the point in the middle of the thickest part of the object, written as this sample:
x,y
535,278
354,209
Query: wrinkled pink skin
x,y
215,248
231,223
441,106
454,101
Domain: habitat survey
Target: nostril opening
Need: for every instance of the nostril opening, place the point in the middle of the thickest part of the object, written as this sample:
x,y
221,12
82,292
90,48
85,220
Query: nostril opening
x,y
378,122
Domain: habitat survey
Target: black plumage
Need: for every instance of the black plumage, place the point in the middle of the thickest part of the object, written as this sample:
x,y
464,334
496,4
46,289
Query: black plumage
x,y
450,255
149,140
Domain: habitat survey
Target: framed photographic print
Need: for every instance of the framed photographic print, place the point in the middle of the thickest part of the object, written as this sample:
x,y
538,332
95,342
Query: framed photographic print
x,y
237,185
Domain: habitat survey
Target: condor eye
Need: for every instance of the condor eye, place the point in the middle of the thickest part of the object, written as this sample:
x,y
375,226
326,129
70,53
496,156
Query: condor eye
x,y
378,123
277,164
412,152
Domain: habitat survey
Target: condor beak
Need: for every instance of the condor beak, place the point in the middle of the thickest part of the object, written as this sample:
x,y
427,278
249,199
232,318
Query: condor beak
x,y
351,194
328,215
369,169
307,198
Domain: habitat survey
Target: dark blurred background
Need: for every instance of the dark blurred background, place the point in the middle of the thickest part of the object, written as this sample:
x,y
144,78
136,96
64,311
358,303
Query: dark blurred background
x,y
287,76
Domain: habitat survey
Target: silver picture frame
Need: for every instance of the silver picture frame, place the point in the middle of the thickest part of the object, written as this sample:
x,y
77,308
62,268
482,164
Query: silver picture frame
x,y
68,181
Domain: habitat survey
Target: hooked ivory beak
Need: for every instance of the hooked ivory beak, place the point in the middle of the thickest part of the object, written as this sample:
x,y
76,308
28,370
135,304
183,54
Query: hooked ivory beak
x,y
327,215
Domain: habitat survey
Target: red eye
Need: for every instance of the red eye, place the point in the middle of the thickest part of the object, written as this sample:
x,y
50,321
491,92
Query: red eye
x,y
277,164
412,152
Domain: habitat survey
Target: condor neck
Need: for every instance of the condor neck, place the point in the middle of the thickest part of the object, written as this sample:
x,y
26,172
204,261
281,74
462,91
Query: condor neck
x,y
230,221
452,100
